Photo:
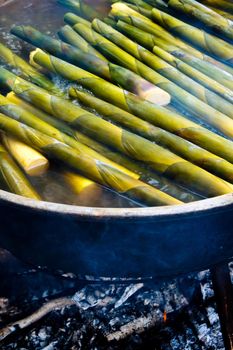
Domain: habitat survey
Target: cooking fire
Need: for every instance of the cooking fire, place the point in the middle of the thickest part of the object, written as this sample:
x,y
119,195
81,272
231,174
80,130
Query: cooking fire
x,y
61,312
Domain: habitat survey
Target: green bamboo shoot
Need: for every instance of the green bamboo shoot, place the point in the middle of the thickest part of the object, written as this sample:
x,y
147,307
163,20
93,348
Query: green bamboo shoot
x,y
157,158
139,3
85,9
205,15
210,43
176,144
141,10
71,19
224,14
152,113
145,174
122,11
163,51
210,115
117,74
26,70
224,5
149,41
18,113
89,167
67,34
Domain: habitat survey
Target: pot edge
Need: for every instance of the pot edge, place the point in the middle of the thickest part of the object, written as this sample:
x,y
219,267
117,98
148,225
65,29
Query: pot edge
x,y
223,202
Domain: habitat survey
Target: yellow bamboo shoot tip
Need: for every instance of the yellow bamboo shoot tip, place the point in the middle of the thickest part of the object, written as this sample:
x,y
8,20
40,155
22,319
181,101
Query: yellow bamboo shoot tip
x,y
155,95
30,160
31,60
86,189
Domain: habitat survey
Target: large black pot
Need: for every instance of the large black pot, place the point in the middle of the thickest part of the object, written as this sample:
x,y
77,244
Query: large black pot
x,y
161,241
136,242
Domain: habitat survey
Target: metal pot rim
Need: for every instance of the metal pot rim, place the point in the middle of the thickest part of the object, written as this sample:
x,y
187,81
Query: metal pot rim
x,y
203,206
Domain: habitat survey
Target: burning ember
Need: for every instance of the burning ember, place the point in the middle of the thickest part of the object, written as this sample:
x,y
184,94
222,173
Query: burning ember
x,y
165,316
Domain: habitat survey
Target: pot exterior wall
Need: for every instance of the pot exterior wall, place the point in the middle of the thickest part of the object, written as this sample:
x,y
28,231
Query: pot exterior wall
x,y
118,247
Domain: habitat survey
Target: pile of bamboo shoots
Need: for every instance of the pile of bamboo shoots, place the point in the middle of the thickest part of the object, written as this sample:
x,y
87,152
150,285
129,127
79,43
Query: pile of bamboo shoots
x,y
147,111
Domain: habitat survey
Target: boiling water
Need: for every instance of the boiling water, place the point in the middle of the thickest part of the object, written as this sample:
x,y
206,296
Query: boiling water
x,y
48,17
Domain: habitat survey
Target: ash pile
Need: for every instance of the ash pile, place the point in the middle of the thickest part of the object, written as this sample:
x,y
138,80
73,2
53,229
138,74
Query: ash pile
x,y
52,312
